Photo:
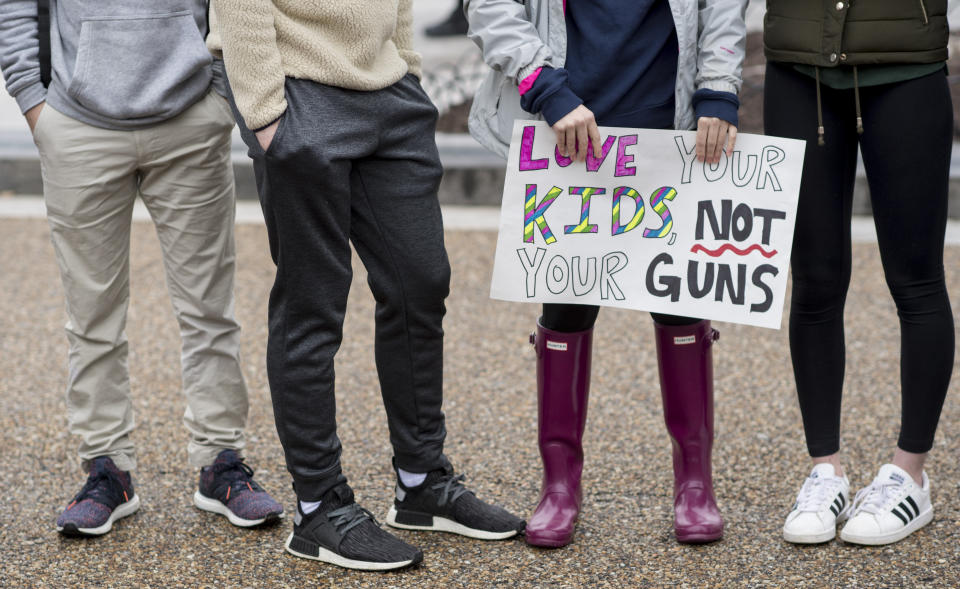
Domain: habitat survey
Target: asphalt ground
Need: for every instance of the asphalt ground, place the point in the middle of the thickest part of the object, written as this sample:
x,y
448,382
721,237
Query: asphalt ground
x,y
624,537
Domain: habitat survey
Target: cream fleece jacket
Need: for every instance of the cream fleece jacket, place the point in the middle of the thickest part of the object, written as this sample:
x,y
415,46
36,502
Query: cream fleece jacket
x,y
366,45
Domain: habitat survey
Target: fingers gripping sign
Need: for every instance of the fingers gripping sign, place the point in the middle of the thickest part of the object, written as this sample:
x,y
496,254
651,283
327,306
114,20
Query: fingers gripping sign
x,y
714,136
576,133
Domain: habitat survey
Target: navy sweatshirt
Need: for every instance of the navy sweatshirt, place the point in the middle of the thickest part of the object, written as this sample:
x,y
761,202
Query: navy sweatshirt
x,y
622,64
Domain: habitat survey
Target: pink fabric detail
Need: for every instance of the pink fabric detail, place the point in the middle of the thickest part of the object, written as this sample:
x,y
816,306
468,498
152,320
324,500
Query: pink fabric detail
x,y
527,83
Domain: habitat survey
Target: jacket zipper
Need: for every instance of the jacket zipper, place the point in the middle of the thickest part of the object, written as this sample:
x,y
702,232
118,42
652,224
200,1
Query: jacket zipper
x,y
923,8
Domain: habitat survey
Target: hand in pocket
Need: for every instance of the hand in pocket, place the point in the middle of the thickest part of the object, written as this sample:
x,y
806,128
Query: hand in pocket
x,y
265,135
33,115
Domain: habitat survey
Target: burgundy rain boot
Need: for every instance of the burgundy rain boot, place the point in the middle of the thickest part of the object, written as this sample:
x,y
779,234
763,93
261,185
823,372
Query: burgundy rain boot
x,y
686,384
563,382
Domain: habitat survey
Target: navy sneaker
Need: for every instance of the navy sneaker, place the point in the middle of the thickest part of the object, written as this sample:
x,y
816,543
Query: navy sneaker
x,y
341,532
227,488
441,503
106,497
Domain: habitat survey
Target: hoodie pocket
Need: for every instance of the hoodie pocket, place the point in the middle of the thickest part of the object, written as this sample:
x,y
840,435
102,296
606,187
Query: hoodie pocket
x,y
131,67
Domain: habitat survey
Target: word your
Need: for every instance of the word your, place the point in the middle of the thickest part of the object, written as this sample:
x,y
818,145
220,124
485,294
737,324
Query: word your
x,y
759,168
574,275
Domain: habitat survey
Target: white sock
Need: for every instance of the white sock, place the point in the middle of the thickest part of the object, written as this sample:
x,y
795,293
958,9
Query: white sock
x,y
308,507
411,479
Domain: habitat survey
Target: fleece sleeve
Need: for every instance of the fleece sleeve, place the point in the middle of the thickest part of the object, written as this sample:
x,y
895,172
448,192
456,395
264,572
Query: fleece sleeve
x,y
252,59
403,37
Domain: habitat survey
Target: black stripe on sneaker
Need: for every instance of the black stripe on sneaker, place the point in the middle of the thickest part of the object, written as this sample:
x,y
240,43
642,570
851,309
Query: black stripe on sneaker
x,y
907,511
833,509
900,515
913,504
843,502
837,503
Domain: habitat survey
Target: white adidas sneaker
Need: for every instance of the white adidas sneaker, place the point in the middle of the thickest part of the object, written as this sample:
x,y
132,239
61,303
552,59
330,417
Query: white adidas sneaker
x,y
823,502
891,508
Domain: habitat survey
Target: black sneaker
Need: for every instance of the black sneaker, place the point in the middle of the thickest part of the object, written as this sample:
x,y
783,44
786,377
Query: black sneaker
x,y
441,503
341,532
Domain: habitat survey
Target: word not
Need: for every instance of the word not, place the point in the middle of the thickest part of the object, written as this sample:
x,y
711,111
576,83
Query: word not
x,y
736,224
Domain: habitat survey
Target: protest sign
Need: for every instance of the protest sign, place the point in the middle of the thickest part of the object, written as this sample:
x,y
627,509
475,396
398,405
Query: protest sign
x,y
647,226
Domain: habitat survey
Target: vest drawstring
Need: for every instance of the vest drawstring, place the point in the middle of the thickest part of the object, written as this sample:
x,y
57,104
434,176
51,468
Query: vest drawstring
x,y
856,99
820,132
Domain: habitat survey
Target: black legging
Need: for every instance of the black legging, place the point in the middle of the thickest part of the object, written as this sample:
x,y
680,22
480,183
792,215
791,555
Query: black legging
x,y
572,318
906,143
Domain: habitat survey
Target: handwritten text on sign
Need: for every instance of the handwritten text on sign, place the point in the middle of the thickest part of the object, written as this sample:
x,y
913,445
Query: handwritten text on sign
x,y
648,226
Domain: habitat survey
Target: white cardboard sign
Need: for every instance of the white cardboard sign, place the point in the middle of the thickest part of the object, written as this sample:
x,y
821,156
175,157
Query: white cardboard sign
x,y
646,226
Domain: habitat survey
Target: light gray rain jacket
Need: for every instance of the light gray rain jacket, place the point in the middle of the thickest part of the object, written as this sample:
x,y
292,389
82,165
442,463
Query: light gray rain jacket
x,y
519,37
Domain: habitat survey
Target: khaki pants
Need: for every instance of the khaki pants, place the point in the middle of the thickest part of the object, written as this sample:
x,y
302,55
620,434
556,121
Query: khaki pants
x,y
181,169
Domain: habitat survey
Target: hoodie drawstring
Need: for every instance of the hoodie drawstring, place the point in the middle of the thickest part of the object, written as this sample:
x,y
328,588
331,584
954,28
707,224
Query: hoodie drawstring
x,y
820,132
821,141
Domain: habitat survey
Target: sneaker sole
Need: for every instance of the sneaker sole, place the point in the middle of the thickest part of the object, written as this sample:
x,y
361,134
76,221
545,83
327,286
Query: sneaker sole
x,y
810,538
921,520
442,524
122,511
327,556
824,536
214,506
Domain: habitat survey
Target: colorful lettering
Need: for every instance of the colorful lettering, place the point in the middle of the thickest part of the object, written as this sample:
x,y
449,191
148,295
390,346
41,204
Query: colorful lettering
x,y
526,152
533,213
658,202
618,194
593,163
623,159
585,194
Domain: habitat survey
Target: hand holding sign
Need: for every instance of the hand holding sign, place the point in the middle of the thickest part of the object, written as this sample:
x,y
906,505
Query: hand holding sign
x,y
645,225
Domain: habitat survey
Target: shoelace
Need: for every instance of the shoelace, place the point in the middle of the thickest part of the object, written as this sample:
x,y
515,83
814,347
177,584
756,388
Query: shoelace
x,y
103,487
816,494
451,489
348,517
878,497
233,474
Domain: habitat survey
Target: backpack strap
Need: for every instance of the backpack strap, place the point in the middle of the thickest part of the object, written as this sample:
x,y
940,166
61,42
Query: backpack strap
x,y
43,25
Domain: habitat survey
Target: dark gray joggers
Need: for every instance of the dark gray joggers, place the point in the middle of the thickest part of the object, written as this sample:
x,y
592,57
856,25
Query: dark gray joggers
x,y
363,167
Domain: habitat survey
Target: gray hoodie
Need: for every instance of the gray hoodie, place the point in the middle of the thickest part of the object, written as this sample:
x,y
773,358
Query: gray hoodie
x,y
116,64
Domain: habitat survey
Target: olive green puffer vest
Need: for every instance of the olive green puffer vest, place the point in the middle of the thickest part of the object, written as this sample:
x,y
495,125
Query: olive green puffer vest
x,y
828,33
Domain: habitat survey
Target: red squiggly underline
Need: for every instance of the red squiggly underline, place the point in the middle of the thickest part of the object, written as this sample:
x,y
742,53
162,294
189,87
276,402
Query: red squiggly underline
x,y
730,247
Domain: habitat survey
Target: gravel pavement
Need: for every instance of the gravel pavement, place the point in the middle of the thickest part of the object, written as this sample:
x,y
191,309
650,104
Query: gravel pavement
x,y
624,537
